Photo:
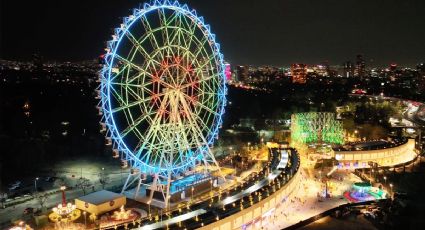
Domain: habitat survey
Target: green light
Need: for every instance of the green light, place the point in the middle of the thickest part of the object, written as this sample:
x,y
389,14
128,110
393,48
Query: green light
x,y
316,128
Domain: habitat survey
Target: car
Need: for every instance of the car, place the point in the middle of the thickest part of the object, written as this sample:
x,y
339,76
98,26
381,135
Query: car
x,y
369,215
28,210
371,207
49,179
401,195
13,187
17,183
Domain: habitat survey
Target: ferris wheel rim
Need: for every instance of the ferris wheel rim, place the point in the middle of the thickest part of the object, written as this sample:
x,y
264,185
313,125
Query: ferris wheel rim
x,y
110,57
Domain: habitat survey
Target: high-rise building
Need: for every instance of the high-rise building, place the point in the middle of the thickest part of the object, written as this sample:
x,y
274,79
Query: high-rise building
x,y
360,69
421,77
348,70
242,73
228,72
322,69
299,73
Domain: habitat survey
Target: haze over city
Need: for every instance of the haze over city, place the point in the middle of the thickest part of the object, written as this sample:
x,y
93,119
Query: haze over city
x,y
251,32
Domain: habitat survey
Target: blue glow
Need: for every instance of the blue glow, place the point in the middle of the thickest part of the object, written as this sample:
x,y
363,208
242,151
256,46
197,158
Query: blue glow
x,y
106,75
185,182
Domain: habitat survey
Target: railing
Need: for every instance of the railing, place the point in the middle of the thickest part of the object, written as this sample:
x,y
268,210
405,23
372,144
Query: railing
x,y
387,145
329,212
227,210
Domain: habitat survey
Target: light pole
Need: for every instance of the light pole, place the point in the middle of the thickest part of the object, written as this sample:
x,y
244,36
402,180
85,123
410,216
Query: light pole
x,y
63,196
102,178
192,193
149,209
35,183
211,182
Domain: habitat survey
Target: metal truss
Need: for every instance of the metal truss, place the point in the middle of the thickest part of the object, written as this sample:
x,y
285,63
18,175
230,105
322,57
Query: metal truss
x,y
162,92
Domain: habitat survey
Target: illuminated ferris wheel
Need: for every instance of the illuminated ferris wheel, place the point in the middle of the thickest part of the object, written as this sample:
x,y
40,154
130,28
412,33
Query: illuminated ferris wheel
x,y
163,91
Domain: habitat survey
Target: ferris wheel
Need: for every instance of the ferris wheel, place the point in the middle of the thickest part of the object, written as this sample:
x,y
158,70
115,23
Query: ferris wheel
x,y
163,90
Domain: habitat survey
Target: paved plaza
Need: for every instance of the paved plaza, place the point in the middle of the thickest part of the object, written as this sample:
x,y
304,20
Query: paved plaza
x,y
304,203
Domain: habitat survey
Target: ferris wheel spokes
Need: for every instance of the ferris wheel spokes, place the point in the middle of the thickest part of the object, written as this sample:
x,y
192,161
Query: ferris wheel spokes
x,y
163,93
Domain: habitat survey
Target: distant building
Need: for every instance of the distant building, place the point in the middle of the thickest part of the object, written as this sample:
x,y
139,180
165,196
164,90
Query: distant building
x,y
228,72
393,67
321,70
421,77
242,73
360,69
299,73
235,74
348,70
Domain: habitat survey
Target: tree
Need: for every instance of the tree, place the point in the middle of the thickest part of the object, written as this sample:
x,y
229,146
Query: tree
x,y
83,184
58,182
3,197
104,179
41,199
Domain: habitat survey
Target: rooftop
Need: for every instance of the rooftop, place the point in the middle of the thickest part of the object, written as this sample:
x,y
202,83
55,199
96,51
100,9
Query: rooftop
x,y
100,197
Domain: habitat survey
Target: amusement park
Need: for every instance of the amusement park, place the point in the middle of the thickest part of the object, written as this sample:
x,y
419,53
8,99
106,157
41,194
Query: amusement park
x,y
163,97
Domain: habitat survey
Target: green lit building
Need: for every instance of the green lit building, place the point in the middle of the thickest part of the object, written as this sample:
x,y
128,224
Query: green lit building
x,y
315,127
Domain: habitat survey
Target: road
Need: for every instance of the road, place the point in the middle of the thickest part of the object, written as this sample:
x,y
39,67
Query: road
x,y
16,212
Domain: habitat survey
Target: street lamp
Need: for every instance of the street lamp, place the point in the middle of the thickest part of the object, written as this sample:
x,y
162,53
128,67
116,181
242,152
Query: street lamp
x,y
63,196
149,205
35,183
192,193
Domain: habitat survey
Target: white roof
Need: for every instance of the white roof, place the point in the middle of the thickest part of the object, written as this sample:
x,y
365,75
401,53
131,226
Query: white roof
x,y
100,197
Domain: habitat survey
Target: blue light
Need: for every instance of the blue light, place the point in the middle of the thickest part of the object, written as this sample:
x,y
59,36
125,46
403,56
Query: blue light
x,y
106,75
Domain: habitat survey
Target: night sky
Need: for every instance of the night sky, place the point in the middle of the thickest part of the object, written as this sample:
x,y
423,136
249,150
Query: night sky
x,y
276,32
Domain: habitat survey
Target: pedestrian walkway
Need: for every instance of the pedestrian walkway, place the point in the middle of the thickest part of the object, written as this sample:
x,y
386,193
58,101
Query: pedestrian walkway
x,y
304,203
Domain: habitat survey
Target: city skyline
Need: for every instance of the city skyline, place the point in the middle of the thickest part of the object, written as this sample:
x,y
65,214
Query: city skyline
x,y
212,114
276,33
